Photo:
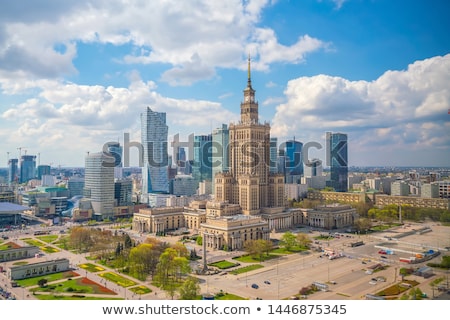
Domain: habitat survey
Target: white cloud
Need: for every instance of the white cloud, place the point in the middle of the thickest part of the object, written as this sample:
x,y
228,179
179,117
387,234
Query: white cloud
x,y
71,119
179,33
401,109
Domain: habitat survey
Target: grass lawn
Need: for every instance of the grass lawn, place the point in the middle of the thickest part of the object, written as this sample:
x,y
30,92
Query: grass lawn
x,y
50,277
119,280
383,227
290,251
79,285
48,238
49,249
247,269
91,267
63,243
8,245
71,297
223,264
397,288
228,296
140,289
33,242
254,259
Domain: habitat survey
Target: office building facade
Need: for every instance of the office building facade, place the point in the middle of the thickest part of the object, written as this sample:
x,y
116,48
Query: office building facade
x,y
13,170
154,135
27,168
337,155
202,166
99,183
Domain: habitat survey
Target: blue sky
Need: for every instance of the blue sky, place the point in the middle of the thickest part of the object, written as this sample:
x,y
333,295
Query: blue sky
x,y
76,74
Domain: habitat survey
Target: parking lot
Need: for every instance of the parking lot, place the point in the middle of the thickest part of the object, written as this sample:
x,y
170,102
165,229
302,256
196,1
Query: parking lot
x,y
288,274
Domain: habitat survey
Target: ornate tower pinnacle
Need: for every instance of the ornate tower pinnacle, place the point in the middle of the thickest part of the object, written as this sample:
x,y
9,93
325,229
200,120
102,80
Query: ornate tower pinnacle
x,y
249,108
249,78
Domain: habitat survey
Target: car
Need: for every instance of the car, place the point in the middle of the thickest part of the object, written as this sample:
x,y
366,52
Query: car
x,y
383,257
372,282
267,282
333,282
255,286
382,252
374,279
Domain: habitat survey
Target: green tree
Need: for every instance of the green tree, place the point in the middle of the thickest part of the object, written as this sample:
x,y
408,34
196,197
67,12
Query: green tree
x,y
190,289
416,294
143,260
303,240
288,240
403,272
128,243
170,269
445,262
42,282
363,224
257,248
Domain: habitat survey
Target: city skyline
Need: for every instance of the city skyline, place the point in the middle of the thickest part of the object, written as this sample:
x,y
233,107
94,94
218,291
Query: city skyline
x,y
74,76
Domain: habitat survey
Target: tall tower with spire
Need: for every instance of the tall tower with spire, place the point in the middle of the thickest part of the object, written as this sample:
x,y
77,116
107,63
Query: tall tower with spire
x,y
249,182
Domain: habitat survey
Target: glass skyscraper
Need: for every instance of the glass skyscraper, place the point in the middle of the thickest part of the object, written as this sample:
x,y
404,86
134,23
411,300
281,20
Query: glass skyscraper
x,y
13,170
294,164
202,166
337,159
221,139
27,168
99,183
154,135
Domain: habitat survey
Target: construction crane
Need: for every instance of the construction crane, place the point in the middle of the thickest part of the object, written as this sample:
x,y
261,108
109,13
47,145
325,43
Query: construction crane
x,y
20,151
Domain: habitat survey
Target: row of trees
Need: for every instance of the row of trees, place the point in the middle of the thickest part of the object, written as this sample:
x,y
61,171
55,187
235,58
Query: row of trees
x,y
388,214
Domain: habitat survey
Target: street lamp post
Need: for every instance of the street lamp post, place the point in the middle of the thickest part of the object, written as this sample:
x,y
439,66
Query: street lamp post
x,y
278,281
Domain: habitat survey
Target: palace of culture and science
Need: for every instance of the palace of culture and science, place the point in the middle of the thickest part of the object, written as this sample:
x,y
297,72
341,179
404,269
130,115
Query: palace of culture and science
x,y
249,200
248,182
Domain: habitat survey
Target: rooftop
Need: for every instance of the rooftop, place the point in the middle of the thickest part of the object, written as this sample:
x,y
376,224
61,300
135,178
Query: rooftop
x,y
8,207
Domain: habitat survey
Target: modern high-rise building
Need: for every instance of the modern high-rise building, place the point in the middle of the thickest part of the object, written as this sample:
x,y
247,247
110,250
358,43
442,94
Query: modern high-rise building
x,y
99,183
27,168
313,168
202,166
220,142
123,192
42,170
116,150
249,182
75,186
337,154
13,170
154,135
293,163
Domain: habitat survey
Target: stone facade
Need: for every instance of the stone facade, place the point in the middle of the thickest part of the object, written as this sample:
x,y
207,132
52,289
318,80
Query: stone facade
x,y
18,253
37,269
161,220
233,231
